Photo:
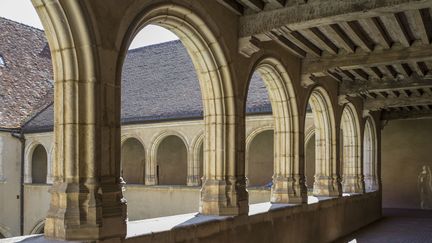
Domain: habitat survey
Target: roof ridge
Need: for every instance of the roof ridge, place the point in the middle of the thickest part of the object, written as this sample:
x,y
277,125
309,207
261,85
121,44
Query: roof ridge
x,y
153,45
25,25
36,114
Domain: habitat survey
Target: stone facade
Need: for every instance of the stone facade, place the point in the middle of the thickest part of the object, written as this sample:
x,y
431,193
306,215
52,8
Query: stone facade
x,y
339,72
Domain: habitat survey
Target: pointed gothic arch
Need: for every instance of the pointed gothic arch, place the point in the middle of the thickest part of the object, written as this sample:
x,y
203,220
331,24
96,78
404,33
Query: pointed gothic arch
x,y
352,175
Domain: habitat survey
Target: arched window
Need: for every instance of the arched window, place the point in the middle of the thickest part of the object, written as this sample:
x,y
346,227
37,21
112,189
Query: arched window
x,y
39,228
369,157
310,160
326,181
271,92
260,159
39,165
352,180
133,161
201,163
172,161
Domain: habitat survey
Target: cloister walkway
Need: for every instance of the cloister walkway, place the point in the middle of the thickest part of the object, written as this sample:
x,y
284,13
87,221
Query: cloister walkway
x,y
396,226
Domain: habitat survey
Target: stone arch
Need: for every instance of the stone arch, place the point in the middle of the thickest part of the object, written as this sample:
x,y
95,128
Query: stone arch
x,y
309,134
133,151
154,153
38,228
5,232
86,125
288,181
224,167
28,162
39,164
370,165
352,178
326,169
310,157
196,161
260,179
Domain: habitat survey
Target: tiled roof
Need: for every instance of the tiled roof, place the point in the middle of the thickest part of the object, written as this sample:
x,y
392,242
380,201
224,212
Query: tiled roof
x,y
24,79
159,82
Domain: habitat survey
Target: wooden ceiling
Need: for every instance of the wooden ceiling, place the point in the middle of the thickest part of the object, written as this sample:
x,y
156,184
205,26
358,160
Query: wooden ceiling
x,y
379,50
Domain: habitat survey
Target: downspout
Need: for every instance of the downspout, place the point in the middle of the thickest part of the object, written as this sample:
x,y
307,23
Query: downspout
x,y
20,136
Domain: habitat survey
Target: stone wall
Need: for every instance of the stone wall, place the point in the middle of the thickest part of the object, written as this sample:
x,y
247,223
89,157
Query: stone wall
x,y
10,151
406,149
325,221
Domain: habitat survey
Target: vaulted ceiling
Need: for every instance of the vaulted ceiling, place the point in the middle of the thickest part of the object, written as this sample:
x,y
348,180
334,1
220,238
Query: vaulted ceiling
x,y
379,50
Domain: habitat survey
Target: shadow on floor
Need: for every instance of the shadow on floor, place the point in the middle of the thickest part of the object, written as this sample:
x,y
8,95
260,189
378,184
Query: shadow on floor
x,y
396,226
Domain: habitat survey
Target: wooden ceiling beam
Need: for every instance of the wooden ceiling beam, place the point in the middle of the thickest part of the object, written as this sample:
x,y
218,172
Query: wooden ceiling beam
x,y
255,5
395,55
285,42
336,33
404,87
416,68
396,23
381,103
376,28
278,3
423,23
398,115
357,34
323,12
322,39
233,6
302,42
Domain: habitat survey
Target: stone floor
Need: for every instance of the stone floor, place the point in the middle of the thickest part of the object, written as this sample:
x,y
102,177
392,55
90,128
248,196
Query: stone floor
x,y
396,226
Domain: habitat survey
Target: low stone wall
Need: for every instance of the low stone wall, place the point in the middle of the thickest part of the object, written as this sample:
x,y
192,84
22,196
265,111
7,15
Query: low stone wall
x,y
323,221
146,202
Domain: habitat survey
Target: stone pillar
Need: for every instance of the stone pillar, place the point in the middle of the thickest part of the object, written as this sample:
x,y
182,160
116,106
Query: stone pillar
x,y
50,178
150,172
370,156
327,178
192,177
224,182
288,179
86,196
351,148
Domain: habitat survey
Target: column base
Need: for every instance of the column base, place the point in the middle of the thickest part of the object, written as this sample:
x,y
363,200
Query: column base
x,y
224,197
371,183
86,212
288,190
327,186
150,180
193,180
353,184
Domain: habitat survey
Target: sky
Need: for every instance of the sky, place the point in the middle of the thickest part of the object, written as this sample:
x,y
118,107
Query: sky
x,y
22,11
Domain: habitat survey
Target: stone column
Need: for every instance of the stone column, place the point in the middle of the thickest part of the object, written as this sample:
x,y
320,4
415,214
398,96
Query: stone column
x,y
351,147
327,176
191,179
86,195
150,171
224,182
50,179
288,179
